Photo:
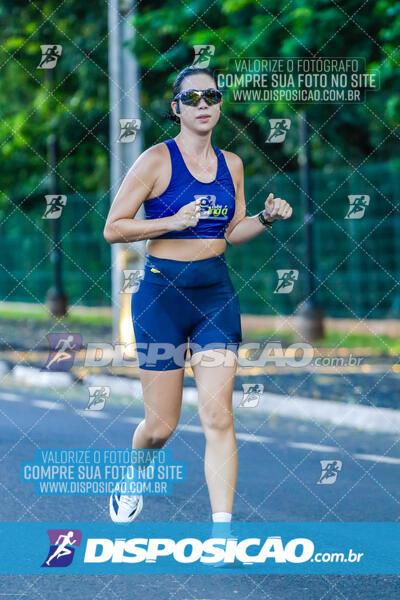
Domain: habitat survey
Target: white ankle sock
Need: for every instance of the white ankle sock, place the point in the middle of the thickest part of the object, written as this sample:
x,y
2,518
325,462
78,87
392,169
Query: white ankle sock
x,y
222,517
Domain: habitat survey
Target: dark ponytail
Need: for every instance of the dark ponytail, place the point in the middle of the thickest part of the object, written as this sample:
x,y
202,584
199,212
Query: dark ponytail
x,y
170,116
178,86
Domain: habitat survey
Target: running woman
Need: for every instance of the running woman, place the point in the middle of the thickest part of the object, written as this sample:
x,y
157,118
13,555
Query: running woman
x,y
193,196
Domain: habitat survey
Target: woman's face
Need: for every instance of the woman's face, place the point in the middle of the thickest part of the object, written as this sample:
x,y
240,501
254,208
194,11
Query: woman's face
x,y
200,118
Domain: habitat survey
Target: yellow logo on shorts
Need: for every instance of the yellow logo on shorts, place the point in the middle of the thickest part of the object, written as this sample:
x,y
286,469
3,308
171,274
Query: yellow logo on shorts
x,y
153,270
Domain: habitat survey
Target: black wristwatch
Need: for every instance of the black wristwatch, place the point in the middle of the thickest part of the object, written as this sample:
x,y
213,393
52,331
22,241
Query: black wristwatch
x,y
263,220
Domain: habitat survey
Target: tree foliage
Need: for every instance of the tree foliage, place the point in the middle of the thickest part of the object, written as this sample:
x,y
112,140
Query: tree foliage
x,y
74,106
341,134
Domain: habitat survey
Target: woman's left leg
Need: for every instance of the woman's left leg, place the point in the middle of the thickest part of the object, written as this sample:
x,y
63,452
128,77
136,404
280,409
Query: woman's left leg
x,y
215,387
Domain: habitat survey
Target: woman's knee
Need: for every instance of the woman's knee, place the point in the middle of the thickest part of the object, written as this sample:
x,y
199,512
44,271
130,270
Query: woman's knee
x,y
216,419
158,434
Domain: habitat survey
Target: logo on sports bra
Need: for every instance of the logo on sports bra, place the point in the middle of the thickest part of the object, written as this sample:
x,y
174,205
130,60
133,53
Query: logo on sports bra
x,y
209,209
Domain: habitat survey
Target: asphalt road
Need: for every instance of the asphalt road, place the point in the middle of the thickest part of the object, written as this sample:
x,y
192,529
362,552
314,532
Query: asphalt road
x,y
278,474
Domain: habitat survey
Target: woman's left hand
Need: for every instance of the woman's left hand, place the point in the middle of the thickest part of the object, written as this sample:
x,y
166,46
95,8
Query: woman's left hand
x,y
276,208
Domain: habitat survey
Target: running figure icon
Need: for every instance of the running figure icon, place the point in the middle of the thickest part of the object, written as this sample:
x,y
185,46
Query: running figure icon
x,y
62,549
62,354
279,129
50,55
55,205
286,280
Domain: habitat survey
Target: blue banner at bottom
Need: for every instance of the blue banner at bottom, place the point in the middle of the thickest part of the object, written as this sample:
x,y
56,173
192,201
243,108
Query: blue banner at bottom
x,y
360,548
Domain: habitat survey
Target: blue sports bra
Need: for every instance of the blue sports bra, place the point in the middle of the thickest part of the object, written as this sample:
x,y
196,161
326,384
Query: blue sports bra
x,y
217,199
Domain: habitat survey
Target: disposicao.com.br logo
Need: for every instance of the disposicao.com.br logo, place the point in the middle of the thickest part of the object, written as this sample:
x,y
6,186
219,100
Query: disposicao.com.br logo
x,y
199,547
212,550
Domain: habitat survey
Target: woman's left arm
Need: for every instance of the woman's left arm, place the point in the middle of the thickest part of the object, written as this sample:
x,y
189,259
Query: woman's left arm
x,y
242,228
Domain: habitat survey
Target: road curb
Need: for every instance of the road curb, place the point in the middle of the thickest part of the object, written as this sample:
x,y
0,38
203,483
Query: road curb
x,y
119,385
358,416
5,368
340,414
35,376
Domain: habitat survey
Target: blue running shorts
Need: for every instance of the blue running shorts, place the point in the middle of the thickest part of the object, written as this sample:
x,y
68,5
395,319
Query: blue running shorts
x,y
184,304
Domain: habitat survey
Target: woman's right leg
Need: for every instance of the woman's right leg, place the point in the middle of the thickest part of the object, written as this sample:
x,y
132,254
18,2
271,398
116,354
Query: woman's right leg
x,y
162,395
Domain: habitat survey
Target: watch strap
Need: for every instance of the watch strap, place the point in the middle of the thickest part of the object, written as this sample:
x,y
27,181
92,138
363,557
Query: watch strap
x,y
263,220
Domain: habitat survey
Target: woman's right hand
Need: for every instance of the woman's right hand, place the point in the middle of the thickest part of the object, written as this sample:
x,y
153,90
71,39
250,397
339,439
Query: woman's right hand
x,y
187,216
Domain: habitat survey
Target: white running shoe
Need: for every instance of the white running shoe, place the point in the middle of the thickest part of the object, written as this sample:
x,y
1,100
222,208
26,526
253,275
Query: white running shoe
x,y
123,508
224,530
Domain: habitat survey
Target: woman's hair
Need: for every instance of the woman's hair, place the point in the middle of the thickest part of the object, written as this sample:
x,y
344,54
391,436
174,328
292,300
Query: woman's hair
x,y
186,72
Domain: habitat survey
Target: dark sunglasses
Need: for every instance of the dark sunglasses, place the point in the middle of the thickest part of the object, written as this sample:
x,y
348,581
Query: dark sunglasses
x,y
193,97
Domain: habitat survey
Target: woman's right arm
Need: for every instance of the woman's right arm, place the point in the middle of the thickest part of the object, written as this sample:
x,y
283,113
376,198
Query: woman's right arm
x,y
121,226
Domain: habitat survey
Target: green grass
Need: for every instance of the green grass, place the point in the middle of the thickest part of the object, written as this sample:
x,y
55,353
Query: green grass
x,y
252,335
380,344
40,314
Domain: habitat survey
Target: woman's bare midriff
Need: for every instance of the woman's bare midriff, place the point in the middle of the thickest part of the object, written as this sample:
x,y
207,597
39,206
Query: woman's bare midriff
x,y
186,249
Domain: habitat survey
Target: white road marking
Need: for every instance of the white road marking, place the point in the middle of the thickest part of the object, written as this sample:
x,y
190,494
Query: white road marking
x,y
191,428
377,458
47,404
10,397
309,446
93,414
251,437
